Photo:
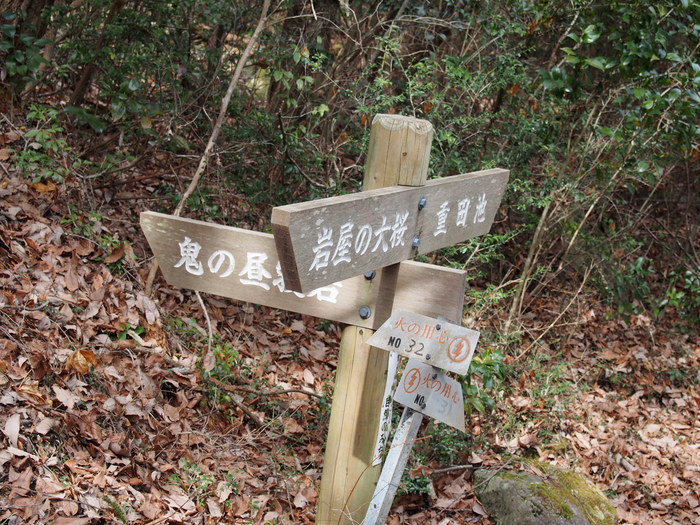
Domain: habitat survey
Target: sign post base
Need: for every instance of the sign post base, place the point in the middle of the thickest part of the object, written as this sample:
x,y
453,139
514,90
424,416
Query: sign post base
x,y
394,465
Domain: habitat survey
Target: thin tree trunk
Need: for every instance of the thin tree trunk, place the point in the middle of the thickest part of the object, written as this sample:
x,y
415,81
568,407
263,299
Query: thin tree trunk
x,y
527,268
79,92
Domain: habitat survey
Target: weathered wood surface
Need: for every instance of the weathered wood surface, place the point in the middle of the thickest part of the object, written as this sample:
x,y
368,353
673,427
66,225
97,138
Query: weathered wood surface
x,y
401,143
350,471
426,339
328,240
349,477
243,265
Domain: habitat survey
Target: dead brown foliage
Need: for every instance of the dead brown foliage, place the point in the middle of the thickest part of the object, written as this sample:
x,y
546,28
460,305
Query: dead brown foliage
x,y
104,423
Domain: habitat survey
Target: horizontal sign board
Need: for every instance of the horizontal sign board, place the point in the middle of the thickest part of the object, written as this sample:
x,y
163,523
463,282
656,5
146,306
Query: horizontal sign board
x,y
431,392
437,343
327,240
243,265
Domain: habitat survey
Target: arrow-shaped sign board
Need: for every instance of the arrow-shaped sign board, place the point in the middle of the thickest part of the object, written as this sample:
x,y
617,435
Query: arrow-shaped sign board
x,y
433,342
431,392
243,265
328,240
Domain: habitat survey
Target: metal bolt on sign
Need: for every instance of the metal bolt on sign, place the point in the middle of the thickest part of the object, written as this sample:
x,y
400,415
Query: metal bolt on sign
x,y
365,312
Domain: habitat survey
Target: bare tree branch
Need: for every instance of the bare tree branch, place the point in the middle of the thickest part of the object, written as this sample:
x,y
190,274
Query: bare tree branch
x,y
204,160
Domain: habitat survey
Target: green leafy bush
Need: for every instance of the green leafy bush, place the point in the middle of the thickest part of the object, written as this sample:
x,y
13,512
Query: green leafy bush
x,y
45,153
21,52
486,371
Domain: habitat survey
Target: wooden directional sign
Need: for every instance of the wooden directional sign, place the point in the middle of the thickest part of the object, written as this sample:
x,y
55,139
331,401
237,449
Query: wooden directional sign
x,y
437,343
243,265
431,392
328,240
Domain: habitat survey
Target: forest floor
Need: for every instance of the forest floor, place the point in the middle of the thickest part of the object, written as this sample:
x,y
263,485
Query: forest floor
x,y
107,417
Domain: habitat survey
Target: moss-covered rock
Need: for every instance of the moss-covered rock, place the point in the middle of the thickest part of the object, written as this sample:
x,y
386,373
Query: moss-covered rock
x,y
559,498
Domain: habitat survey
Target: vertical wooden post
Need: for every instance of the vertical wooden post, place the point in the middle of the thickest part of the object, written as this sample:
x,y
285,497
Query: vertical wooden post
x,y
398,153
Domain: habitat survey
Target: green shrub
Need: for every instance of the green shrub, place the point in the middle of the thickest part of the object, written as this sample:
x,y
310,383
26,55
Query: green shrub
x,y
21,51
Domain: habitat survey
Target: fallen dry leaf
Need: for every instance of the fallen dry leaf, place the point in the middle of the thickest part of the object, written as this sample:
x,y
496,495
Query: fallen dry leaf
x,y
291,426
32,388
214,509
300,500
80,361
308,377
11,429
45,187
298,326
67,398
117,254
479,509
21,453
521,402
71,275
45,425
208,361
21,482
65,520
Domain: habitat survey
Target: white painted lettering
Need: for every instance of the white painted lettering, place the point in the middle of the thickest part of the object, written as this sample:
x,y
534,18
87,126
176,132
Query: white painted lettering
x,y
328,293
322,251
189,251
398,230
342,249
254,272
480,215
442,219
463,211
364,237
216,260
380,235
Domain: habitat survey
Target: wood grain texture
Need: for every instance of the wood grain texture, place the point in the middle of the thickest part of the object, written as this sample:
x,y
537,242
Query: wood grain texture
x,y
332,239
349,477
398,152
444,296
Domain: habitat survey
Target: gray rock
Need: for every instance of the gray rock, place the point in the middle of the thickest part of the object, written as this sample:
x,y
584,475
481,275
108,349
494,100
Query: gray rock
x,y
559,498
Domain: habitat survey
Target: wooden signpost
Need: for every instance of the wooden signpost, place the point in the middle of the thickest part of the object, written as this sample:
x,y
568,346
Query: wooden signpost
x,y
344,259
325,240
399,149
243,265
332,239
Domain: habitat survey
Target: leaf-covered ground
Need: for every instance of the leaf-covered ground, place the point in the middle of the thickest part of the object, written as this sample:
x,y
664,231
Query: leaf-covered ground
x,y
106,416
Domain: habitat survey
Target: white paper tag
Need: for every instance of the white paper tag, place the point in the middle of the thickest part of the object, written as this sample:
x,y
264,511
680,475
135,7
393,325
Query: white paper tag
x,y
385,419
